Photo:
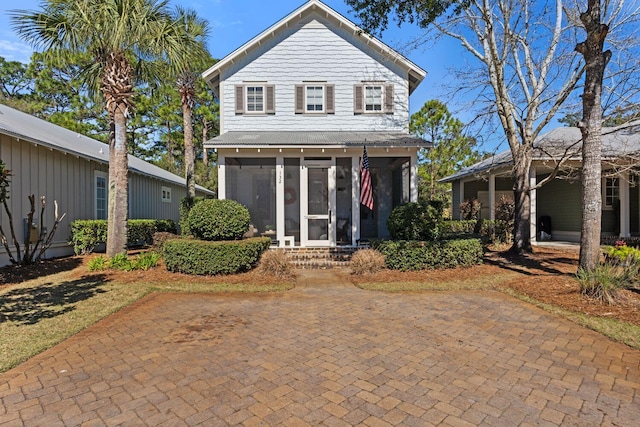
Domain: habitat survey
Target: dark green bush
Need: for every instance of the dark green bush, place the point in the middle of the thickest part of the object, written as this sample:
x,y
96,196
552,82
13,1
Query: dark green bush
x,y
416,255
216,220
415,221
185,207
87,234
211,258
470,209
457,227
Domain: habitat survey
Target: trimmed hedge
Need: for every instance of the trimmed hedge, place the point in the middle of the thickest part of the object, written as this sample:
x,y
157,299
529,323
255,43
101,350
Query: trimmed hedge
x,y
218,220
210,258
416,221
87,234
415,255
457,227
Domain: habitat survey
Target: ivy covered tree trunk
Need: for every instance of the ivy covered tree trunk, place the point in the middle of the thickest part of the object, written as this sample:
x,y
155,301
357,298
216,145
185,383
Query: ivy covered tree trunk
x,y
596,60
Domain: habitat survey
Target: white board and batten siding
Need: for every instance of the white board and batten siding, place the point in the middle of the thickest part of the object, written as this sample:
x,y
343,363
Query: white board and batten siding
x,y
70,180
314,51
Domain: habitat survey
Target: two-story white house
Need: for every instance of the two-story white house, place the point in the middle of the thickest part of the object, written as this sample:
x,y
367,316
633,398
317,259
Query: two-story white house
x,y
297,104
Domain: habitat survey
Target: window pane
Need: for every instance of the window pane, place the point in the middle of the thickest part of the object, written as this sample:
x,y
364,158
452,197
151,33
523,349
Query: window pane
x,y
255,98
373,98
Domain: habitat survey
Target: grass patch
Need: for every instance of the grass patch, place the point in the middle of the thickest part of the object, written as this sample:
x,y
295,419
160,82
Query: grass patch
x,y
40,313
615,329
482,282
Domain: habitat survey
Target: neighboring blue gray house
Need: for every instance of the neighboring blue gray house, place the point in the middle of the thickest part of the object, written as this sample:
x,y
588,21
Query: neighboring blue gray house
x,y
48,160
560,199
297,104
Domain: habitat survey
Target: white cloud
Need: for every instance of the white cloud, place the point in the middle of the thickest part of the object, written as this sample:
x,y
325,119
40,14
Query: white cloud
x,y
15,51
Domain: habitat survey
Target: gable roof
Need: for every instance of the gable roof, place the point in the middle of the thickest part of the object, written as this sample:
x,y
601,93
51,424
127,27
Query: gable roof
x,y
212,75
617,142
40,132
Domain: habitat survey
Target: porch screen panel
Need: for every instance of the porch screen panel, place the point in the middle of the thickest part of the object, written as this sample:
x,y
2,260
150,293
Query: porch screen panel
x,y
252,182
343,200
292,198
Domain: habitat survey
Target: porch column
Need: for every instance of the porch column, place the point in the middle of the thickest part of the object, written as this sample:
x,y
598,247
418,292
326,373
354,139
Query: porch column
x,y
221,177
280,200
413,179
533,222
461,198
625,217
492,197
355,200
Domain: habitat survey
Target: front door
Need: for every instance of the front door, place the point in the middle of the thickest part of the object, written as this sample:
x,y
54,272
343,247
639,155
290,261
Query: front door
x,y
318,210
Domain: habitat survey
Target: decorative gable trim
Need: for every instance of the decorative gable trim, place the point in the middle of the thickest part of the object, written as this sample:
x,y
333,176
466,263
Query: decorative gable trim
x,y
415,73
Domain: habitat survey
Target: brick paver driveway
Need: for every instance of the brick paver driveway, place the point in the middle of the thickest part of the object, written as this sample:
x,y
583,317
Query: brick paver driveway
x,y
328,355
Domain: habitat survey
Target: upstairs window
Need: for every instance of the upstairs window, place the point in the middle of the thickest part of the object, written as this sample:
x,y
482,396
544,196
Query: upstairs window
x,y
253,98
166,194
373,98
314,98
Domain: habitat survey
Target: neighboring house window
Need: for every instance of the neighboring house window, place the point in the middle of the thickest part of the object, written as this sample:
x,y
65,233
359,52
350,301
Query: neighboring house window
x,y
255,99
166,194
611,192
314,98
373,98
101,194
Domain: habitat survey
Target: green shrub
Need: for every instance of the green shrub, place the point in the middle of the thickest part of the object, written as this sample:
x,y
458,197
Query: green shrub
x,y
217,220
470,209
457,227
276,262
99,263
145,261
623,255
416,255
87,234
160,238
185,207
606,280
415,221
366,261
121,262
210,258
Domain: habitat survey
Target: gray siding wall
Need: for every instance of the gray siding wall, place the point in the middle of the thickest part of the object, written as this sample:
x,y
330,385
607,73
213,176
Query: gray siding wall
x,y
455,200
70,180
560,200
471,189
312,51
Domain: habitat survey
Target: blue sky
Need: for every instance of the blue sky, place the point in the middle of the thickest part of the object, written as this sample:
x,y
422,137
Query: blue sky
x,y
232,25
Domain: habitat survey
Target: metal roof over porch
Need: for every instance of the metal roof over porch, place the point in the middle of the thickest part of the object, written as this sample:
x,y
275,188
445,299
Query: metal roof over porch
x,y
333,139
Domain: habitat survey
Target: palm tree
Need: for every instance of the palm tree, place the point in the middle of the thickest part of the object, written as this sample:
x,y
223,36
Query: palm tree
x,y
186,79
128,40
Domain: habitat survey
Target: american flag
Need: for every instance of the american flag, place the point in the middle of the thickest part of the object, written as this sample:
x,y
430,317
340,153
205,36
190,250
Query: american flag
x,y
366,192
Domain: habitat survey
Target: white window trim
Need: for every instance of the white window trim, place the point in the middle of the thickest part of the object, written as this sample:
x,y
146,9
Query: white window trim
x,y
166,190
100,174
246,98
324,98
605,206
364,98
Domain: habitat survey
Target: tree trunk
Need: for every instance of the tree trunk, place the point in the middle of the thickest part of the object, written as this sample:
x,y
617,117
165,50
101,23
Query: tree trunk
x,y
118,184
591,127
522,200
189,151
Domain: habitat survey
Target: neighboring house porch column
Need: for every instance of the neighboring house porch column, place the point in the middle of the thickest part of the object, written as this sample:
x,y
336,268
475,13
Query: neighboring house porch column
x,y
533,203
355,200
413,189
625,217
280,200
222,187
492,197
